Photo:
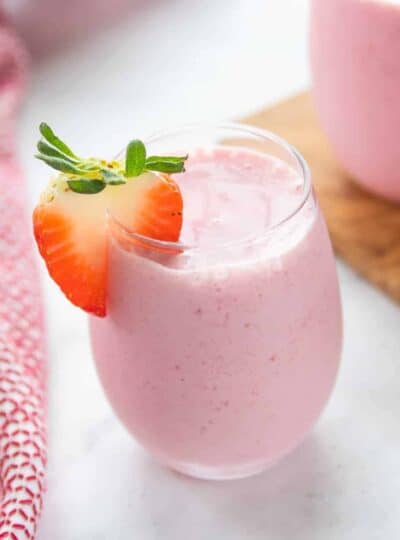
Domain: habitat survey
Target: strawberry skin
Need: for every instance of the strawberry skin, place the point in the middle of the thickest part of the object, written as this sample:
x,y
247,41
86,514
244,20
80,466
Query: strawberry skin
x,y
72,235
81,276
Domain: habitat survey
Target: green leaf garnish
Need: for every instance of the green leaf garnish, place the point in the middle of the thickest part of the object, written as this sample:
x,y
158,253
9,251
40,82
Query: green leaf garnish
x,y
92,175
112,178
166,164
61,164
48,150
86,186
167,159
135,158
52,138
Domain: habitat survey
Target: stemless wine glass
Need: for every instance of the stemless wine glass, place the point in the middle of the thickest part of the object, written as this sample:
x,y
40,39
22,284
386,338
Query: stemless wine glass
x,y
219,358
355,52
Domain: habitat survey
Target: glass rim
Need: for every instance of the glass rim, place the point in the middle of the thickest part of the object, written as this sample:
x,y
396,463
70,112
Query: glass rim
x,y
260,133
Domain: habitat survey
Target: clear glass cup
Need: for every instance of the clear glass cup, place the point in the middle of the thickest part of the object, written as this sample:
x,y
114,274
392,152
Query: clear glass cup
x,y
355,51
220,358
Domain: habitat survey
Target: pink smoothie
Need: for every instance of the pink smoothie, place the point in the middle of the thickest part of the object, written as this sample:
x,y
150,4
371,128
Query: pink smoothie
x,y
355,57
220,359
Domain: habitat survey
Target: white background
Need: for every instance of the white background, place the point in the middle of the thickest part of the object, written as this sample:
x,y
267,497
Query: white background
x,y
174,61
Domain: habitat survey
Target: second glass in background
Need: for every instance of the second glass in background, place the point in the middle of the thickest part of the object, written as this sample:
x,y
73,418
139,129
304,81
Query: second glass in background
x,y
355,60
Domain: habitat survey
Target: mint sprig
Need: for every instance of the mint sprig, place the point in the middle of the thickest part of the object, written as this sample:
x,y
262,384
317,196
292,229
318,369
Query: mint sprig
x,y
92,175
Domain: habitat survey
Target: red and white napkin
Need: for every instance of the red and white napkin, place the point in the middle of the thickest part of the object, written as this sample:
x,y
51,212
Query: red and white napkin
x,y
22,335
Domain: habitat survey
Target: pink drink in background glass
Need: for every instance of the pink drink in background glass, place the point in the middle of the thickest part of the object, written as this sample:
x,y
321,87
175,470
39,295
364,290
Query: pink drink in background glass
x,y
355,57
221,358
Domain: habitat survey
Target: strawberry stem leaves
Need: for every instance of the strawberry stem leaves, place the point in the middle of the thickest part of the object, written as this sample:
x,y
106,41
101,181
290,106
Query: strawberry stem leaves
x,y
90,175
61,164
166,164
87,187
135,158
52,138
48,150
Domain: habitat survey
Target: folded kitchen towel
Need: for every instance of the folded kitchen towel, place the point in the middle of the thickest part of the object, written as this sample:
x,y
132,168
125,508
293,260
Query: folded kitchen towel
x,y
22,337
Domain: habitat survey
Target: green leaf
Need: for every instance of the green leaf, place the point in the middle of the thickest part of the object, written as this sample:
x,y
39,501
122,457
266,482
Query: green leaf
x,y
55,141
92,175
61,164
90,165
112,178
135,158
166,166
88,187
51,151
169,159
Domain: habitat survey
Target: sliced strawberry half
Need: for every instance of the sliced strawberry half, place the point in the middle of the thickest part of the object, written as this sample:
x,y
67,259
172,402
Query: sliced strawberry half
x,y
71,230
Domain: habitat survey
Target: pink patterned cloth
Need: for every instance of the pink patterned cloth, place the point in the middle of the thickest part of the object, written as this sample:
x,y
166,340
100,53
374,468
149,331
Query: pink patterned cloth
x,y
47,25
22,336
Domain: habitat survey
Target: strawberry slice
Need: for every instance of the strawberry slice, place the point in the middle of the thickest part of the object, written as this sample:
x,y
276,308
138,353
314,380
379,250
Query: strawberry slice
x,y
71,230
70,222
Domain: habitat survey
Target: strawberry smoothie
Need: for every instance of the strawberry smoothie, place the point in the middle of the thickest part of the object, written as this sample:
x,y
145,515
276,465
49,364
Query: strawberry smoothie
x,y
219,359
355,52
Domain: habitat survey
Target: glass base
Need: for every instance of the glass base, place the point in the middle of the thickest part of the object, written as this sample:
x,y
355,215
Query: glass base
x,y
203,472
232,472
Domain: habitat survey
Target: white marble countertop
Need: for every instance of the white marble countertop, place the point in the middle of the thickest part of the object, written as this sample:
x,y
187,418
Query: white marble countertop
x,y
175,61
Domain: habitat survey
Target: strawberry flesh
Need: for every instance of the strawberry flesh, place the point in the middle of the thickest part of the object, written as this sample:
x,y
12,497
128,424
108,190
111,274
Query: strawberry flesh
x,y
71,230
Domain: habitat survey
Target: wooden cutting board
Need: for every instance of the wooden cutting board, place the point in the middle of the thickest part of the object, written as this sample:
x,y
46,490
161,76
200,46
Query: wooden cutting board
x,y
365,230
